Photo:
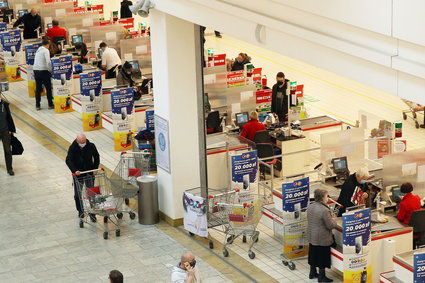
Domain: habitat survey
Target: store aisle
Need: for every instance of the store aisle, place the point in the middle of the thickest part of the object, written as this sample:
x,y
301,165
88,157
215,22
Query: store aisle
x,y
40,240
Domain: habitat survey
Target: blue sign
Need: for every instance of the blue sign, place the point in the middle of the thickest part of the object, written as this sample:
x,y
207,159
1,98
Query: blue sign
x,y
91,84
3,27
244,170
30,51
150,119
122,98
419,267
295,195
11,40
62,68
356,229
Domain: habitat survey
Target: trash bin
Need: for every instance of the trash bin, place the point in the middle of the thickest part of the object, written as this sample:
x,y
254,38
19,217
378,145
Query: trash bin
x,y
148,200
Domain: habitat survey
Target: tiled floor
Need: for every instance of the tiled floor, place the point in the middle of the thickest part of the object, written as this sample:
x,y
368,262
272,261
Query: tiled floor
x,y
40,240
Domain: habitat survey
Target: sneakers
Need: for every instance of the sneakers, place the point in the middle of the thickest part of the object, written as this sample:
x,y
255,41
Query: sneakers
x,y
10,172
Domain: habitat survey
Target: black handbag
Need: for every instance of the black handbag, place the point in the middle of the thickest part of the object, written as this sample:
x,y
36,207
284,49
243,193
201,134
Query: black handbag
x,y
17,148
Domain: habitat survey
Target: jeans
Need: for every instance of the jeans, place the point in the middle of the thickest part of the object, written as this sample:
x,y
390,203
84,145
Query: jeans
x,y
5,138
43,78
82,180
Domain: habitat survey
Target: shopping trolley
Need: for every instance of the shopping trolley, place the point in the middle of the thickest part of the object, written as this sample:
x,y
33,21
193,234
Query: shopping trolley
x,y
242,218
407,112
140,145
216,218
98,197
131,166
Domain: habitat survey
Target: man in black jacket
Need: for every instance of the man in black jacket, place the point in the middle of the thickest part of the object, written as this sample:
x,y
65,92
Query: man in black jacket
x,y
125,9
280,97
7,128
31,21
355,180
82,156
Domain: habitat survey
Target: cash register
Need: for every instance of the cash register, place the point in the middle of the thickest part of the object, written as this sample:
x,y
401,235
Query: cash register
x,y
340,168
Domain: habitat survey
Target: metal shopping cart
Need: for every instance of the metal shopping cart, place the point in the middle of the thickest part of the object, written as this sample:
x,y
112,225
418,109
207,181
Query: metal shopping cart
x,y
216,219
140,145
411,111
131,166
98,196
242,218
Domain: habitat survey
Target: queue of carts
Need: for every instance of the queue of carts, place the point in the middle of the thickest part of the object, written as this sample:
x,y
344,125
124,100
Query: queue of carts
x,y
105,197
232,213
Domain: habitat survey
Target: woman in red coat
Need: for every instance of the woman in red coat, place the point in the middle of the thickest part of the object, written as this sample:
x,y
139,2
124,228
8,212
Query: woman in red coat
x,y
408,204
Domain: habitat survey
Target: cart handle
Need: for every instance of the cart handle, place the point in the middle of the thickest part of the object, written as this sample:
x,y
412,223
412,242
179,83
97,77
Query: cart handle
x,y
137,153
334,201
89,171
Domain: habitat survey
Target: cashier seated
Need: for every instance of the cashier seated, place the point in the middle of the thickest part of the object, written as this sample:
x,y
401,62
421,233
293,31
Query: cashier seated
x,y
125,75
354,191
408,204
250,128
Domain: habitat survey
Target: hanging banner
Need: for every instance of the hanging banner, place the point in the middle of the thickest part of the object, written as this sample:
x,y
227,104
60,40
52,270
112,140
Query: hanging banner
x,y
356,230
11,42
122,102
91,99
419,267
62,83
3,27
30,50
150,120
244,171
235,79
263,99
195,214
295,195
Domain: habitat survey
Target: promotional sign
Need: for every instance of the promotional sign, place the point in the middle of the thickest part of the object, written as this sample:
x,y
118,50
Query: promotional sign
x,y
256,77
91,99
244,171
150,120
195,214
263,99
11,42
162,144
295,195
122,102
62,83
419,267
217,60
3,27
356,231
235,79
30,50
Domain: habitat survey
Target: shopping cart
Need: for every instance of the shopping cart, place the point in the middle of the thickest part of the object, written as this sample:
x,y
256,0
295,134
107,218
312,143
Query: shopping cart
x,y
131,166
242,218
294,237
98,196
140,145
216,218
411,111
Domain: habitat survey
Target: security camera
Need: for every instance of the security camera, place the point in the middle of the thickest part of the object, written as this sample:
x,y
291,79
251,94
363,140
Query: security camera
x,y
141,8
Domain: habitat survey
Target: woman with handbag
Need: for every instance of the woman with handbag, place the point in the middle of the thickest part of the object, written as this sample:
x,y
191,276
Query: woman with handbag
x,y
7,129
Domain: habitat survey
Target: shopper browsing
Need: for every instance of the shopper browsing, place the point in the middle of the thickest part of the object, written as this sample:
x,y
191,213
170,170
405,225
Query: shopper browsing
x,y
253,126
31,21
408,204
186,271
82,156
319,232
280,97
116,277
42,73
110,60
7,129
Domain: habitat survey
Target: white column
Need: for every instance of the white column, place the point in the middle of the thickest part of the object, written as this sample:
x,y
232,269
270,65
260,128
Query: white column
x,y
178,96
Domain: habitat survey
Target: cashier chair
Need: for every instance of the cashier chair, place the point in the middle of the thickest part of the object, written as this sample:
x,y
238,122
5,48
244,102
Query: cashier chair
x,y
262,137
213,122
417,221
59,41
265,150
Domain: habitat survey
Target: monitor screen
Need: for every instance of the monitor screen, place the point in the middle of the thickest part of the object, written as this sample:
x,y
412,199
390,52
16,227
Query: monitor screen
x,y
22,12
242,118
78,38
49,26
340,164
396,196
135,65
3,4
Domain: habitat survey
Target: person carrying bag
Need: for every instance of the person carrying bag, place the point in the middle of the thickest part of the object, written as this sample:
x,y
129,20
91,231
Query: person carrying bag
x,y
7,129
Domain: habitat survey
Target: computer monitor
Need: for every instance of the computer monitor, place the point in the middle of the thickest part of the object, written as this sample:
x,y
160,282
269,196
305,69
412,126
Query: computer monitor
x,y
241,118
135,69
77,38
340,165
49,25
4,4
22,12
396,194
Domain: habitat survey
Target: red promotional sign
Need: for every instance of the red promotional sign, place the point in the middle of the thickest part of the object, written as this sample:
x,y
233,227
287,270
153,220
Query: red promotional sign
x,y
256,76
128,23
263,96
97,8
299,91
235,79
79,10
219,60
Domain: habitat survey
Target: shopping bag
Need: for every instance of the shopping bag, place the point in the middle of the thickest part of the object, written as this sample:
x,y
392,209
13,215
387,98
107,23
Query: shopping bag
x,y
17,148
